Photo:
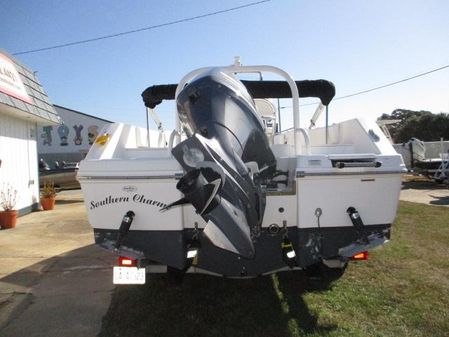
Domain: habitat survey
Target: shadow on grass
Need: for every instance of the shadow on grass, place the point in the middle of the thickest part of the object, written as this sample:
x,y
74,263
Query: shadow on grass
x,y
423,185
439,200
211,306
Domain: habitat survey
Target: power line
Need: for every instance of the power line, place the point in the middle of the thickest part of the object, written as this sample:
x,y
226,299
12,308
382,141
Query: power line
x,y
142,29
393,83
382,86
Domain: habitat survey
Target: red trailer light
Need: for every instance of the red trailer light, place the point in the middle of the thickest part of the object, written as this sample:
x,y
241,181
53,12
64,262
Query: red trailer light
x,y
360,256
124,261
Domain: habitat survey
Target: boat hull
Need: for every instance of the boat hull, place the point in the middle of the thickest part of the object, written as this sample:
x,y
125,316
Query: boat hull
x,y
161,238
168,248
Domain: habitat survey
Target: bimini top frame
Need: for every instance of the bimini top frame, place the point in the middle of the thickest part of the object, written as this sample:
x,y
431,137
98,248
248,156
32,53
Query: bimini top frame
x,y
322,89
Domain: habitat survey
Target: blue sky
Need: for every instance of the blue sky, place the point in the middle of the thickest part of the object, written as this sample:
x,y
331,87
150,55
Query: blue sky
x,y
356,44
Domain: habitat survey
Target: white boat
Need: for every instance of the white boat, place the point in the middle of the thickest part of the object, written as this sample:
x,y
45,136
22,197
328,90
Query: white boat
x,y
435,168
228,194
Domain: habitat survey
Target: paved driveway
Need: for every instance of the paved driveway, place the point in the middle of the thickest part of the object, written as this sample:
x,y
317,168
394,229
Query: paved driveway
x,y
425,192
53,280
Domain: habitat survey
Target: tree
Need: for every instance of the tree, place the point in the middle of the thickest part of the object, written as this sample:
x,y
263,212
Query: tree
x,y
423,125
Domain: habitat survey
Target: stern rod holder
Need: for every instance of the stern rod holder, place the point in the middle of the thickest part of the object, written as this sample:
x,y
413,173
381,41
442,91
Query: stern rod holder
x,y
357,221
124,228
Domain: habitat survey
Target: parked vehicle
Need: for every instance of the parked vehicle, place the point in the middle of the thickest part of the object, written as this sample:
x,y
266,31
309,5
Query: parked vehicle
x,y
232,196
62,175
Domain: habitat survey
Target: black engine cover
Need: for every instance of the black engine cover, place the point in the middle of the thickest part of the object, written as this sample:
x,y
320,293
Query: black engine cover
x,y
224,133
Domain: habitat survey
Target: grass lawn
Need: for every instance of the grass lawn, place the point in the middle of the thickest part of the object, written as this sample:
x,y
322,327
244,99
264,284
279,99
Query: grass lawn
x,y
402,290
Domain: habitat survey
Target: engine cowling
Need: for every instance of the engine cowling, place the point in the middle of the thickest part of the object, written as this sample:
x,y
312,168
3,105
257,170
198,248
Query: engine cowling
x,y
226,156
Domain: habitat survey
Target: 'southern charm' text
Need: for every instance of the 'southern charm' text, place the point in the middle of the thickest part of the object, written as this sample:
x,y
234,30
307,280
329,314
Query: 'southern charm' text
x,y
137,198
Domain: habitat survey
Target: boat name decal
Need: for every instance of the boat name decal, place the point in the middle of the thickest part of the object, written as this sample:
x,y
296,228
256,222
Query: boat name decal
x,y
137,198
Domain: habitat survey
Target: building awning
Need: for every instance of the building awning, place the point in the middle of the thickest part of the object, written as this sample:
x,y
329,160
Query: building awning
x,y
22,95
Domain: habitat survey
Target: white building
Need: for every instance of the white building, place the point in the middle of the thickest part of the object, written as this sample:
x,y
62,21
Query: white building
x,y
24,106
71,140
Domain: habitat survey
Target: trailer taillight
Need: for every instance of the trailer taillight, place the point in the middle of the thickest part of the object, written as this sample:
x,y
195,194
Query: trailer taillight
x,y
360,256
124,261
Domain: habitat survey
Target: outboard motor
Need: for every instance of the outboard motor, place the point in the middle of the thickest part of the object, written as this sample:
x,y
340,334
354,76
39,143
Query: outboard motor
x,y
226,156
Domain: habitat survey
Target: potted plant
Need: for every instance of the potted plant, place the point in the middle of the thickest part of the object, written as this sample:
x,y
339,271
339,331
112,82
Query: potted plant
x,y
48,195
8,200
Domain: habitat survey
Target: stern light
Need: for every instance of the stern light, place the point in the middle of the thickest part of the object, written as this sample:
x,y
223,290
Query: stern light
x,y
124,261
360,256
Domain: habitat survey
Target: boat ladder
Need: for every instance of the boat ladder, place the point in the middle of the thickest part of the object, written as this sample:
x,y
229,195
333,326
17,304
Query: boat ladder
x,y
443,171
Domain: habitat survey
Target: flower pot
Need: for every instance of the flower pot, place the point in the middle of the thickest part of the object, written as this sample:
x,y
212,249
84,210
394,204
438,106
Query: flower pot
x,y
8,219
48,203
